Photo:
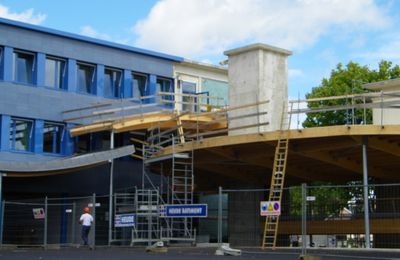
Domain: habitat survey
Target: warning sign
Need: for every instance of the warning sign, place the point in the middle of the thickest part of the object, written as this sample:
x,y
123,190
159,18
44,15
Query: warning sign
x,y
38,213
270,208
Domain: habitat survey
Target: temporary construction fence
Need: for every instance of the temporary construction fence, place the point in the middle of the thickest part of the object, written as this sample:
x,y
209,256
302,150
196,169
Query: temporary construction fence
x,y
320,216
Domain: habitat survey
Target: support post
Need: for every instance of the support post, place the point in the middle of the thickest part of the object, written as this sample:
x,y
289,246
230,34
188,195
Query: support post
x,y
2,210
365,187
73,221
45,223
94,219
110,201
220,215
304,219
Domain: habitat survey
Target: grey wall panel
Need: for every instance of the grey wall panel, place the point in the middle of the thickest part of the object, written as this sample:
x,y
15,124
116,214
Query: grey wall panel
x,y
40,103
83,51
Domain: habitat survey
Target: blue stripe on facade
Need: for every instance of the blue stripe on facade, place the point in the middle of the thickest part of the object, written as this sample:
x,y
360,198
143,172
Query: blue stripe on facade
x,y
8,63
40,69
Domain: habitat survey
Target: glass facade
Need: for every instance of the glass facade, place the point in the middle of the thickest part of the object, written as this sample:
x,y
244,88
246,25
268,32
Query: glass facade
x,y
216,88
52,137
139,85
112,83
23,67
55,73
20,136
85,78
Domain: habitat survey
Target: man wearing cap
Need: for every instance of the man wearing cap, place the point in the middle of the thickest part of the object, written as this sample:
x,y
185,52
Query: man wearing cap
x,y
86,221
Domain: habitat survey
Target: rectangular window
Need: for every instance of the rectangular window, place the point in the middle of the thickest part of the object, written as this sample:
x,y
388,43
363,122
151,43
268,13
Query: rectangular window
x,y
52,137
164,85
24,66
85,78
55,72
21,132
139,88
112,83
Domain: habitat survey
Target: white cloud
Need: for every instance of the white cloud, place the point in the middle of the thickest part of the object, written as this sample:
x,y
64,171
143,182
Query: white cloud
x,y
207,27
87,30
389,51
295,73
27,16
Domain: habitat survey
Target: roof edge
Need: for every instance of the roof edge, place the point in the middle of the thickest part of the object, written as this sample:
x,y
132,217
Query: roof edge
x,y
257,46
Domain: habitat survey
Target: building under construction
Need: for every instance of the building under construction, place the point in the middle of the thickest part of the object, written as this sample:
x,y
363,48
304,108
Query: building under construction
x,y
81,116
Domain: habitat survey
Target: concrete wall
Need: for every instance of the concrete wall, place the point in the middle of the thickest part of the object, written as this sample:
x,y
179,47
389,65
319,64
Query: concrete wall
x,y
257,73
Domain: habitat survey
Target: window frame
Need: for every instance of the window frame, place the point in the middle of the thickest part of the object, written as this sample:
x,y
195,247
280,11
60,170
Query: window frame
x,y
15,73
146,85
168,97
92,80
62,80
13,130
57,145
116,90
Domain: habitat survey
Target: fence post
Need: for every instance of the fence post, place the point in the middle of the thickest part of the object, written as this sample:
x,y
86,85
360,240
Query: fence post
x,y
3,205
45,223
94,219
110,201
303,219
365,188
220,215
73,222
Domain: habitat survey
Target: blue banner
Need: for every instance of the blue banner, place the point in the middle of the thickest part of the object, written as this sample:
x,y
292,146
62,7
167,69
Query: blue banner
x,y
124,220
184,211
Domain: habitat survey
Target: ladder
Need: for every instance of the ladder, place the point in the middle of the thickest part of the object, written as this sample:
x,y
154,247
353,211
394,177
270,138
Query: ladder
x,y
277,179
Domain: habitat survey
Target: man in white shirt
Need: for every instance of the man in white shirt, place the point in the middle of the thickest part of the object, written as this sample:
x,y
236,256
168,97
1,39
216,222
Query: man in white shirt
x,y
86,221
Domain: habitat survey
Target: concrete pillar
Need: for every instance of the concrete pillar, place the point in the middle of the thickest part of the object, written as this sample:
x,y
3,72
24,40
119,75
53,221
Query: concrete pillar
x,y
256,73
39,74
38,136
71,75
99,82
127,86
8,64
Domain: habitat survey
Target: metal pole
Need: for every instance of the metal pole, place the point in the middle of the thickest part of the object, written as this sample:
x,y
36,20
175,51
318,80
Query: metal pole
x,y
73,222
45,223
304,219
2,209
365,184
110,209
94,219
220,215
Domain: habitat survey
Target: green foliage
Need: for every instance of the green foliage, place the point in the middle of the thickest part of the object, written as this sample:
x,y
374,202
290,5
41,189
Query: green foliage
x,y
345,80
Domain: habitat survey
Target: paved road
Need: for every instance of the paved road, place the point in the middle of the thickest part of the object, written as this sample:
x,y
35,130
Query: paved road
x,y
184,253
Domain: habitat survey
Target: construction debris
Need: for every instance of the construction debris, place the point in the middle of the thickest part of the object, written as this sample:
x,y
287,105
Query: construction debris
x,y
224,249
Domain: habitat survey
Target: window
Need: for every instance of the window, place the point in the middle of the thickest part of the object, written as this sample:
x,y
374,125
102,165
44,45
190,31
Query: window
x,y
189,99
139,87
23,67
52,137
164,85
21,132
112,83
85,79
55,73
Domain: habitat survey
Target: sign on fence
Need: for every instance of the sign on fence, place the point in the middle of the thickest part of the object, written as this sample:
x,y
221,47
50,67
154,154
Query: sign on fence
x,y
184,211
124,220
270,208
38,213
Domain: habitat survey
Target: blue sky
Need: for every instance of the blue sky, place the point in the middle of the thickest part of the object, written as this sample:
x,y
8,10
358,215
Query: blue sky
x,y
321,33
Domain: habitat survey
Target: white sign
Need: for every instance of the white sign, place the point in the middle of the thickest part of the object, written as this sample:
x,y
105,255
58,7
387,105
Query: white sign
x,y
270,208
38,213
90,205
310,198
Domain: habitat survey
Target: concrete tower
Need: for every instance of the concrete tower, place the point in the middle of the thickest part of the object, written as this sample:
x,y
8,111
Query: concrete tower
x,y
256,73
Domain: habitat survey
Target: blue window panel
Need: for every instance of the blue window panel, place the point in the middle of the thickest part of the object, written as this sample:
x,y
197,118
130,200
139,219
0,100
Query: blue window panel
x,y
99,82
8,63
55,73
38,136
24,66
53,135
152,89
71,75
1,62
5,123
21,134
39,74
127,84
112,83
85,78
139,84
165,85
68,143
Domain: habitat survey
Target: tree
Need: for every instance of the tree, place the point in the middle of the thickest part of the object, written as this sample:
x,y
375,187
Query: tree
x,y
345,81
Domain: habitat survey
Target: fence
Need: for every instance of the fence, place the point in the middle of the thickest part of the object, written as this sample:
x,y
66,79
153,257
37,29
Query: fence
x,y
334,216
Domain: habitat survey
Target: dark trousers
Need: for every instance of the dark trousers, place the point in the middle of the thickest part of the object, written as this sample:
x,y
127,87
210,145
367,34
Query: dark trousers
x,y
84,234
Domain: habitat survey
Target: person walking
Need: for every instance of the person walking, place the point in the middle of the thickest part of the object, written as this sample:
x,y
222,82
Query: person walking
x,y
86,221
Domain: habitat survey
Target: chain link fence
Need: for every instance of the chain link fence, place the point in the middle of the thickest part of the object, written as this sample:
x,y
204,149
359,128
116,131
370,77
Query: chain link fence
x,y
334,216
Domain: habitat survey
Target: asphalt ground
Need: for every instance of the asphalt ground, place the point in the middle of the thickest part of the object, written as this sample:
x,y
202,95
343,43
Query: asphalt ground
x,y
188,253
